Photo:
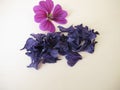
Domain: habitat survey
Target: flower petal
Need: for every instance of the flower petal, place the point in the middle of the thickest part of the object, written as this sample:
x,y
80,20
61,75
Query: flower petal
x,y
47,25
70,29
54,53
90,48
37,8
61,21
30,43
34,59
40,14
47,5
38,37
72,58
58,12
39,17
47,58
59,15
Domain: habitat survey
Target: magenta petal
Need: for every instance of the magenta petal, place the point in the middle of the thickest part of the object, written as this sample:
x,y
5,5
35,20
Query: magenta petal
x,y
38,18
58,12
59,15
47,5
36,9
61,21
40,15
47,25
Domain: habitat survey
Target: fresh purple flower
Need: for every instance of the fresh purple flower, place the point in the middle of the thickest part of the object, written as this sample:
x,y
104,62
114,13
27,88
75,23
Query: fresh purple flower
x,y
45,13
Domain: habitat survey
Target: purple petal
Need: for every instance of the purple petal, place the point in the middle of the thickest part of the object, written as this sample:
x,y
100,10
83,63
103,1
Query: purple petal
x,y
61,21
39,37
69,29
29,44
59,15
47,5
47,25
47,58
54,53
90,48
36,9
72,58
59,12
40,17
35,59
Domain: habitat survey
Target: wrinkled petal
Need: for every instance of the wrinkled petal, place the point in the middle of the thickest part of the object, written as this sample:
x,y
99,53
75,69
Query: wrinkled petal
x,y
59,15
47,5
90,48
40,16
72,58
29,44
93,34
54,53
62,29
34,65
38,37
47,25
35,58
62,47
49,59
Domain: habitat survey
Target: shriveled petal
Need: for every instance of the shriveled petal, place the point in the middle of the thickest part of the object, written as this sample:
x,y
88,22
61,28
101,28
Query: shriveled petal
x,y
35,59
63,47
59,15
72,58
54,53
93,34
69,29
39,37
47,58
29,44
47,5
90,48
47,25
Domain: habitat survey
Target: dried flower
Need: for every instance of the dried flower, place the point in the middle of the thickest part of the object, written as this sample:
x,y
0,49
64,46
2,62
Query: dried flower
x,y
46,48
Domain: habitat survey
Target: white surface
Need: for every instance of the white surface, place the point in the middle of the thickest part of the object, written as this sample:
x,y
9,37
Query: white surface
x,y
99,71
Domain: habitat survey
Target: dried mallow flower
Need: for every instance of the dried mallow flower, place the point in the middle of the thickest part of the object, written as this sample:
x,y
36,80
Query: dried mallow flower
x,y
69,42
72,58
45,13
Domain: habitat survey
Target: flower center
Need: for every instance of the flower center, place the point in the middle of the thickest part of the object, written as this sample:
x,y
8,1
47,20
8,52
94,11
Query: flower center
x,y
50,17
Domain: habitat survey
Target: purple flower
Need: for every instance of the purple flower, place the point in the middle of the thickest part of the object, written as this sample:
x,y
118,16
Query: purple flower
x,y
80,38
42,48
72,58
45,13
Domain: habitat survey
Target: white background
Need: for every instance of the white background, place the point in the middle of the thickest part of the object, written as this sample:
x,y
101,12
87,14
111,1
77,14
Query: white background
x,y
97,71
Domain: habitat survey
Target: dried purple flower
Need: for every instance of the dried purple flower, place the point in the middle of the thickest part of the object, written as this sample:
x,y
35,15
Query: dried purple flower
x,y
80,38
46,48
72,58
45,13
